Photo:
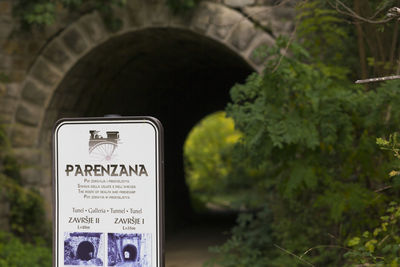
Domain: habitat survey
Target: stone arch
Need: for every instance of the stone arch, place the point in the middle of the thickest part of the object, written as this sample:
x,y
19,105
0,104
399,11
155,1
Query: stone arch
x,y
215,22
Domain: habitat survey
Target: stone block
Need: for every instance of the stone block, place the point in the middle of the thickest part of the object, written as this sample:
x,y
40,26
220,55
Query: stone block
x,y
75,41
279,20
34,94
28,114
6,118
56,54
5,7
267,2
239,3
6,28
203,16
137,13
32,176
21,62
4,223
16,75
261,14
242,35
224,21
284,13
50,118
47,193
47,176
47,156
160,14
43,73
94,27
8,105
5,61
13,90
28,156
45,143
24,136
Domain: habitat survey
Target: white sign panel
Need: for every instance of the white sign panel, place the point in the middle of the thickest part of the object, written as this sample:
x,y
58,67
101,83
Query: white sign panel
x,y
108,192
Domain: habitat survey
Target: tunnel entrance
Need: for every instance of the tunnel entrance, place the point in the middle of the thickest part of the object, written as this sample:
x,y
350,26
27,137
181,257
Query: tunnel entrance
x,y
175,75
130,253
85,251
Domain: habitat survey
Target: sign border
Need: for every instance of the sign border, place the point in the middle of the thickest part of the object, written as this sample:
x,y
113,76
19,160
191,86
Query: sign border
x,y
156,124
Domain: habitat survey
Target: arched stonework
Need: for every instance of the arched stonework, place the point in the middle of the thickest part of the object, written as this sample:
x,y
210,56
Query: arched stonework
x,y
220,23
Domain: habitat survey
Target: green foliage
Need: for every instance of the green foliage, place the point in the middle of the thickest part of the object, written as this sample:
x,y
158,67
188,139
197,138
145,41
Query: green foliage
x,y
381,246
250,236
44,12
207,155
4,78
310,133
16,253
180,6
28,243
328,37
27,214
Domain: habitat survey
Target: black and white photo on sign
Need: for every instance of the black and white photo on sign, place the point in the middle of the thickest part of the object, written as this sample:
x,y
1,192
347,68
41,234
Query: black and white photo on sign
x,y
129,250
83,249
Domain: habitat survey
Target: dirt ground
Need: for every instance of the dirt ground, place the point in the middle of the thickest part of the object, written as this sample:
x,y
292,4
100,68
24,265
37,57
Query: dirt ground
x,y
189,246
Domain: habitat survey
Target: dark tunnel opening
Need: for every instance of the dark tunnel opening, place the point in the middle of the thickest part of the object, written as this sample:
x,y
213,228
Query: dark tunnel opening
x,y
85,251
130,253
174,75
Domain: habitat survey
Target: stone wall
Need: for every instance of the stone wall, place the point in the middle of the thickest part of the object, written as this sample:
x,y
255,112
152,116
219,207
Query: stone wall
x,y
38,62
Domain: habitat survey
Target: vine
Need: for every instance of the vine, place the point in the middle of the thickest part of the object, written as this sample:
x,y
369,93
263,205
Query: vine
x,y
40,13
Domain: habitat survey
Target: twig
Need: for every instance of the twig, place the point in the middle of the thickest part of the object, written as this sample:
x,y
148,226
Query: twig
x,y
379,79
294,255
323,246
292,35
383,240
353,14
332,236
383,188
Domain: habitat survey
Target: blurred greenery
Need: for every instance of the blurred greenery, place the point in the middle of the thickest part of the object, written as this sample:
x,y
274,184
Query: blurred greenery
x,y
181,6
29,241
17,253
207,153
42,13
379,246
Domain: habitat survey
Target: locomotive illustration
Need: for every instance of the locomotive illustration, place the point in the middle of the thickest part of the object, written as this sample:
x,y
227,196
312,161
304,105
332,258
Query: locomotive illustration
x,y
101,147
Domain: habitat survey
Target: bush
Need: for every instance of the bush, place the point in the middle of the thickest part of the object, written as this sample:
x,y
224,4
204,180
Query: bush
x,y
16,253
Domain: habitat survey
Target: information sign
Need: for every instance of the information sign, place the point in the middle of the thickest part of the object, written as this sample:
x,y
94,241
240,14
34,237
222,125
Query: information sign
x,y
108,191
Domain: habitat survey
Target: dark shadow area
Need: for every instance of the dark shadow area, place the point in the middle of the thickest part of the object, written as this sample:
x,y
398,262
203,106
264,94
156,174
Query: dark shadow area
x,y
190,246
130,253
174,75
85,251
